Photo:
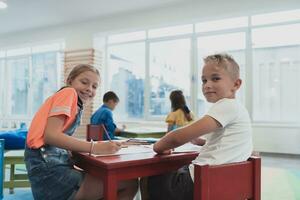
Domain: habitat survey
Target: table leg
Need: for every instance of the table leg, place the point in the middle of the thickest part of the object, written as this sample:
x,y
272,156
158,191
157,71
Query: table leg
x,y
110,188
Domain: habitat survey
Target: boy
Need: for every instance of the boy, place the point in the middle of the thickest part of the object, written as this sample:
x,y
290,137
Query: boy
x,y
228,125
104,115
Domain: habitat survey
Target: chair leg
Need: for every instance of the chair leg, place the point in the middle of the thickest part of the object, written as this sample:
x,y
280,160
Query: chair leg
x,y
12,178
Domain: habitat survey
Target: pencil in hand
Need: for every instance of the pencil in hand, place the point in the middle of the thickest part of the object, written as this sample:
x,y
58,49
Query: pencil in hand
x,y
106,133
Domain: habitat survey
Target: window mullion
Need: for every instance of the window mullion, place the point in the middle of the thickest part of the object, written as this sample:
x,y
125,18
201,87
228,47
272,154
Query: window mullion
x,y
147,88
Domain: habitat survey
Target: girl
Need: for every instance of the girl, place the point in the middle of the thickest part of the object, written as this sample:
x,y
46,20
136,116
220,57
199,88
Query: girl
x,y
180,115
49,140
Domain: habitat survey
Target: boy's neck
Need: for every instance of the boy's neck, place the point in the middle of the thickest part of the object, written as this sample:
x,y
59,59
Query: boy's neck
x,y
107,105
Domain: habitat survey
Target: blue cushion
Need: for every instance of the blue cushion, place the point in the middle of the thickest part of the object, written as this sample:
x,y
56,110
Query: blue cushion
x,y
14,139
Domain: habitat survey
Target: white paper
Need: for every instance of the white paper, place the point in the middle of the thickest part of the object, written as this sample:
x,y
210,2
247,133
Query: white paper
x,y
131,149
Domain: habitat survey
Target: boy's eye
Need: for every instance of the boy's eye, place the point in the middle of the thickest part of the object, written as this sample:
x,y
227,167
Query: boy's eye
x,y
216,78
95,86
204,81
84,82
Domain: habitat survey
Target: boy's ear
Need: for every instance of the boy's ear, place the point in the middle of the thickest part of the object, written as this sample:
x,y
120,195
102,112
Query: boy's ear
x,y
237,83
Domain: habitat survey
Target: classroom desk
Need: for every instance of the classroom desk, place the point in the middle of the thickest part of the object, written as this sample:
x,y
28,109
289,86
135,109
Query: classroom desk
x,y
112,169
144,132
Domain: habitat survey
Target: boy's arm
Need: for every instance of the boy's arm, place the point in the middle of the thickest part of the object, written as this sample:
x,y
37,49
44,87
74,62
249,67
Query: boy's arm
x,y
183,135
198,141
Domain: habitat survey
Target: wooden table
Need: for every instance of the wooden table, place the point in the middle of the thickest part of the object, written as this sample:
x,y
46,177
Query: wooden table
x,y
143,132
112,169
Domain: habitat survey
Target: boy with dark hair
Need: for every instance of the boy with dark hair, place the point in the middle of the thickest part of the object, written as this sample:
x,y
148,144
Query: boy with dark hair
x,y
104,115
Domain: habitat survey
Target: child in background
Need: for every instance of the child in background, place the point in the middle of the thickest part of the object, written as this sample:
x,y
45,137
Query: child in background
x,y
49,142
227,124
181,114
104,115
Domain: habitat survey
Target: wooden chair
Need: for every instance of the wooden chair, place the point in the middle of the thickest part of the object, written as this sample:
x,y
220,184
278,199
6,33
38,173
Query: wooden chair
x,y
94,132
236,181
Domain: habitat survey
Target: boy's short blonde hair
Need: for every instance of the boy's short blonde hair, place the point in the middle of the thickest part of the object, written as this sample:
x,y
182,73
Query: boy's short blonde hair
x,y
225,61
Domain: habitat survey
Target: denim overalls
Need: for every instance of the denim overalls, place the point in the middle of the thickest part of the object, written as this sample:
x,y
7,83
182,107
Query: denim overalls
x,y
51,172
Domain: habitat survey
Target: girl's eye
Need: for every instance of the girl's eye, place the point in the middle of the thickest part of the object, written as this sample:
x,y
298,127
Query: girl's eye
x,y
204,81
84,82
95,86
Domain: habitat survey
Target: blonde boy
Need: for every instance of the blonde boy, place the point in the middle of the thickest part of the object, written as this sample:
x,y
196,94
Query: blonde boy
x,y
227,124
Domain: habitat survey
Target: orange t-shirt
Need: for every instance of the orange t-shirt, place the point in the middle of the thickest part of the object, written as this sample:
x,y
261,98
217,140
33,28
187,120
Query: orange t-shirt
x,y
64,102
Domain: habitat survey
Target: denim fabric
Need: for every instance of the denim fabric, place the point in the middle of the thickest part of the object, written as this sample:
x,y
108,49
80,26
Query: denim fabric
x,y
51,173
177,185
50,170
75,124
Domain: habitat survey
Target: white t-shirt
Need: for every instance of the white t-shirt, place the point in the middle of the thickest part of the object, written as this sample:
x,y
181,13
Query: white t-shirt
x,y
230,143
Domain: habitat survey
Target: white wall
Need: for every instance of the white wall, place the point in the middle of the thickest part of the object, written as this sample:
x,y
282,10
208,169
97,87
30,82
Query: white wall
x,y
80,36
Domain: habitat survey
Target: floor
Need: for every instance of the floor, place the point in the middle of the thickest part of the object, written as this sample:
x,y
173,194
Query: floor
x,y
280,179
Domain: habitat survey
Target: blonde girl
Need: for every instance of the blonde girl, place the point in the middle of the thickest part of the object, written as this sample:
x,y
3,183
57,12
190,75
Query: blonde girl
x,y
49,142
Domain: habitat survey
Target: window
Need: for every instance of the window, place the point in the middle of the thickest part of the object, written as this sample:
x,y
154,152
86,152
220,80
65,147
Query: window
x,y
126,37
18,85
266,47
2,88
222,24
29,76
277,17
46,79
277,69
126,77
169,31
169,70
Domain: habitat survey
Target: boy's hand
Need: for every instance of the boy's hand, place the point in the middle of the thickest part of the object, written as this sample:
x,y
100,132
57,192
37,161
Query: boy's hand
x,y
166,152
198,141
106,147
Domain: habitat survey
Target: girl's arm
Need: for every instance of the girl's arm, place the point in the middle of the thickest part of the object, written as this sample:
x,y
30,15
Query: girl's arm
x,y
54,136
183,135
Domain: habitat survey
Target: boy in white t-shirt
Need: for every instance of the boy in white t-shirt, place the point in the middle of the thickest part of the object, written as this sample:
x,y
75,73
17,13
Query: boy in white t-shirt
x,y
227,125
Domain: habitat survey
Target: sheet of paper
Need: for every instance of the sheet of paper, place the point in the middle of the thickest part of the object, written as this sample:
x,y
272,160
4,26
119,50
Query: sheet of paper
x,y
131,149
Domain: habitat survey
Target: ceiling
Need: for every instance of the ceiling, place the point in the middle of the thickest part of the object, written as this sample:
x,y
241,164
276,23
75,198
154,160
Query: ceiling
x,y
31,14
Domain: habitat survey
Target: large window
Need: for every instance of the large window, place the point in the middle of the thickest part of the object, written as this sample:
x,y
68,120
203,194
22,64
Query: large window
x,y
276,61
18,85
126,77
2,89
28,76
265,46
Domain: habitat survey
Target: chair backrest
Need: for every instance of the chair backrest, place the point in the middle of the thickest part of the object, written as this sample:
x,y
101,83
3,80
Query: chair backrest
x,y
94,132
235,181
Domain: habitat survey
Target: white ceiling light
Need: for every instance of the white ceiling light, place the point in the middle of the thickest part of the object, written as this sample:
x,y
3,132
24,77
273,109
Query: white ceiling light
x,y
3,4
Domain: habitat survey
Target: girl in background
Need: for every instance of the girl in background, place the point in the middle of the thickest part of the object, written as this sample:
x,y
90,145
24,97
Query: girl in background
x,y
181,114
49,142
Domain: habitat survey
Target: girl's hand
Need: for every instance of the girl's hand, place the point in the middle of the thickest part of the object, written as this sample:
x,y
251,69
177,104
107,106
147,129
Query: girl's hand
x,y
106,147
